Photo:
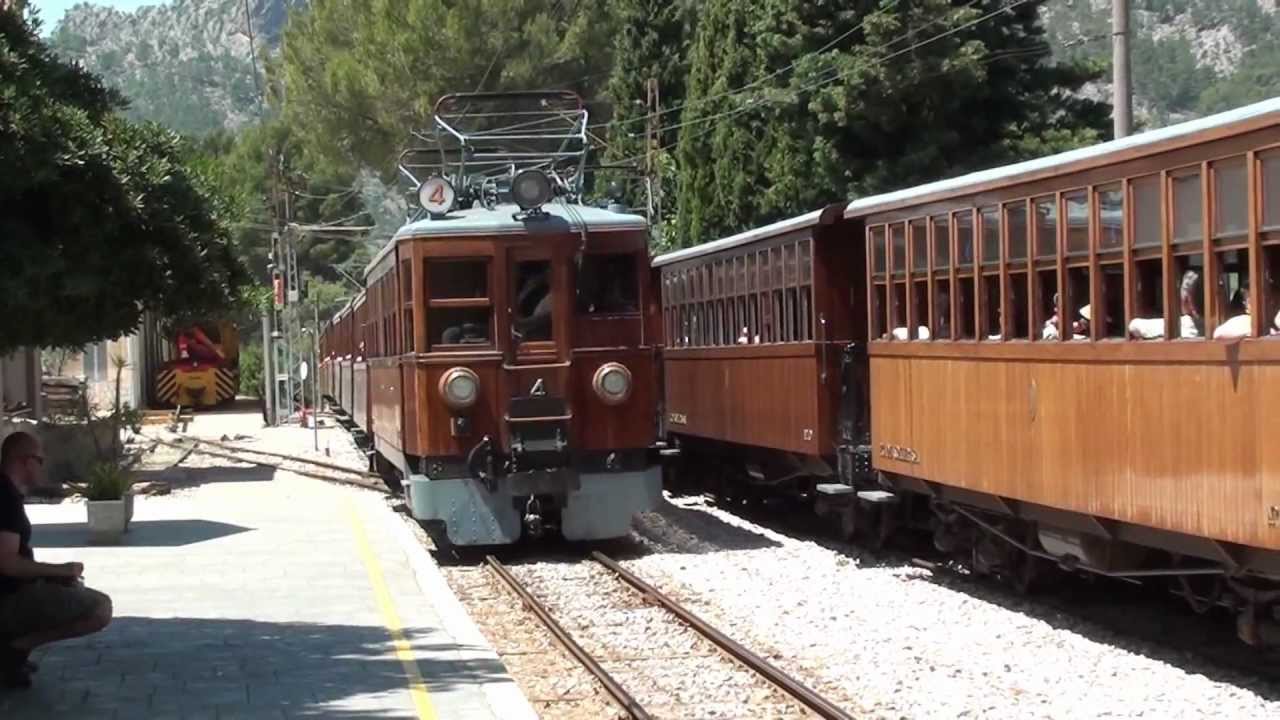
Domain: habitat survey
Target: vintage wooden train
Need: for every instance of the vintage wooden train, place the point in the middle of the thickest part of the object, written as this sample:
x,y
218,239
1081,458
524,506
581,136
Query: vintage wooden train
x,y
1065,362
503,357
1071,361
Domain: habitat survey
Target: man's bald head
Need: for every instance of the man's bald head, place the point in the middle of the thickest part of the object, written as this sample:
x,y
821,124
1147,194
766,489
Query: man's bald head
x,y
17,446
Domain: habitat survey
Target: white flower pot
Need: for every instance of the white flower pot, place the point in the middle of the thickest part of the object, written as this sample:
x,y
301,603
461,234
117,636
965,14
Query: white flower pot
x,y
108,520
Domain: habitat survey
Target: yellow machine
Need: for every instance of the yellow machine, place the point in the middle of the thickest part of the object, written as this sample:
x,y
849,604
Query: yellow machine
x,y
205,370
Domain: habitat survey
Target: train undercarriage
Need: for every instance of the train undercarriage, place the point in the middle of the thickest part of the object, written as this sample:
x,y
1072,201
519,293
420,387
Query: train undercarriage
x,y
1022,545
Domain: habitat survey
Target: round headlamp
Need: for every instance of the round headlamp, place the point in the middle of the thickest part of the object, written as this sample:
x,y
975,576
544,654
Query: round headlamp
x,y
612,382
531,189
459,388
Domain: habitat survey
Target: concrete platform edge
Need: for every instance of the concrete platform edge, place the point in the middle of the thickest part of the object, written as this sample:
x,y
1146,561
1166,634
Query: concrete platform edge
x,y
505,697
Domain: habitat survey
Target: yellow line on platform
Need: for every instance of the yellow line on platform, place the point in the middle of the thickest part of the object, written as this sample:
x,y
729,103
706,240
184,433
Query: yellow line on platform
x,y
390,618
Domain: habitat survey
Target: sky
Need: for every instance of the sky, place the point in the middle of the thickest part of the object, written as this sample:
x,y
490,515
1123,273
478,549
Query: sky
x,y
51,11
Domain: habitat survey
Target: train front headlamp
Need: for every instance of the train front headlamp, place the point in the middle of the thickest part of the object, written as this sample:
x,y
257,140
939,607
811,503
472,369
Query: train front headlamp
x,y
531,189
612,382
459,388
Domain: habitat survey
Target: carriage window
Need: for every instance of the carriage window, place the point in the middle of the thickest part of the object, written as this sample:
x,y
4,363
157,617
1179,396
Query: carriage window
x,y
919,246
1046,228
878,250
991,308
1047,303
1269,295
1110,219
1111,319
941,325
1189,301
459,326
964,302
1271,191
1077,224
898,238
1078,313
941,243
1187,210
879,305
964,238
1148,308
1230,198
607,284
534,304
1015,215
1234,301
1018,323
1147,231
990,236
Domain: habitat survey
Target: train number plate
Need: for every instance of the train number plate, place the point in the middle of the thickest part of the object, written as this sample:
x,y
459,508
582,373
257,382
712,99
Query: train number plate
x,y
899,453
677,418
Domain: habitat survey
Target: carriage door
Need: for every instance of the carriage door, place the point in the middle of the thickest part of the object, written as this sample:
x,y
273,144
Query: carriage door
x,y
536,375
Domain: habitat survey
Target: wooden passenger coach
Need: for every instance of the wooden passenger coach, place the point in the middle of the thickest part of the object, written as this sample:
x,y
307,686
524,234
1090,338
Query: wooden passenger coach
x,y
1087,344
756,326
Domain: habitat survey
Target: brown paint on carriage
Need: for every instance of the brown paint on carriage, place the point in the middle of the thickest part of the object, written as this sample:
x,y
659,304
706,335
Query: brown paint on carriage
x,y
1169,434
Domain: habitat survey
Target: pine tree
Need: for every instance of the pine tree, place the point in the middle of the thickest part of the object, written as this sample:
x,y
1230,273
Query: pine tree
x,y
868,106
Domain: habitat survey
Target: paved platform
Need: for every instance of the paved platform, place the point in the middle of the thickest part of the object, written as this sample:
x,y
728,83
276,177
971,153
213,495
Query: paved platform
x,y
260,594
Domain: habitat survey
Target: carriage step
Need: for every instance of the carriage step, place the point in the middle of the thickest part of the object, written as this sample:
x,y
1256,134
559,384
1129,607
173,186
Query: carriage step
x,y
877,497
834,489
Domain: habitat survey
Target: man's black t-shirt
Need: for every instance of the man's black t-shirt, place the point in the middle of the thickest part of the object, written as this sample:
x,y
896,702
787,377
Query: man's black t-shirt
x,y
13,518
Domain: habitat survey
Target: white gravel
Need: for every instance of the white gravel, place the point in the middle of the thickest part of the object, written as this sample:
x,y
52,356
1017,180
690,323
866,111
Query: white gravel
x,y
890,641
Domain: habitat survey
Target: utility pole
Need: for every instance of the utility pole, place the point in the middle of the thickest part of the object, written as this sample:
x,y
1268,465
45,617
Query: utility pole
x,y
1122,79
315,373
653,146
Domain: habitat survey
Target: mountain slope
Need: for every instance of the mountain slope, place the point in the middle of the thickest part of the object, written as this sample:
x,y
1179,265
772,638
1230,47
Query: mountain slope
x,y
185,64
1189,57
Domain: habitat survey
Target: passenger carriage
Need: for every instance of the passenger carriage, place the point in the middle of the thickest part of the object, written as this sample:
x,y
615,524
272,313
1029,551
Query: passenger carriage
x,y
1063,363
510,333
758,355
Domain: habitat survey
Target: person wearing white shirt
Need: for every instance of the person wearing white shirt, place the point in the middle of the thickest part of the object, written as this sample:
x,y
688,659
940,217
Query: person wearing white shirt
x,y
1189,322
1237,326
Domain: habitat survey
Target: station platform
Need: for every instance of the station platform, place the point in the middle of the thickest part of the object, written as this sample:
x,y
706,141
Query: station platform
x,y
254,593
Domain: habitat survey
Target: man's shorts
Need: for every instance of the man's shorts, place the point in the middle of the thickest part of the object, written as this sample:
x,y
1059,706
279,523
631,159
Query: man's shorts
x,y
42,605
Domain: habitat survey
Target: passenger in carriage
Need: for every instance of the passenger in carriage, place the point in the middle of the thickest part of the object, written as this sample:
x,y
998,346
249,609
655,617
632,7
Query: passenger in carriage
x,y
1079,328
465,334
1238,325
900,333
1191,321
744,337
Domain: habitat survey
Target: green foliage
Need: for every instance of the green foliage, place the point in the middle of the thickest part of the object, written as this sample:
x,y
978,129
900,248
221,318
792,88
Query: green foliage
x,y
861,115
107,481
361,74
102,219
251,370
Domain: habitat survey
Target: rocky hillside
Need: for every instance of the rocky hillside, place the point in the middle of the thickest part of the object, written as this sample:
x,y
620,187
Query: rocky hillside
x,y
1190,57
185,64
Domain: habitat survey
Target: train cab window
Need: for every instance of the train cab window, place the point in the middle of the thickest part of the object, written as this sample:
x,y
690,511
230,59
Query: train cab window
x,y
1187,209
1077,216
1230,199
1270,190
459,311
534,305
608,285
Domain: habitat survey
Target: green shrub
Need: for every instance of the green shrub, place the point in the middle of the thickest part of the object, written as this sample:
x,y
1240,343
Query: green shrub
x,y
107,481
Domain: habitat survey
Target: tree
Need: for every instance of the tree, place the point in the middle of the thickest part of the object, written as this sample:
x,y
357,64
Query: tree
x,y
359,75
793,104
102,219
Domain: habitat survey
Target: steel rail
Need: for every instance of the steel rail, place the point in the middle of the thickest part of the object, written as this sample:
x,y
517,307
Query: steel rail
x,y
540,611
801,692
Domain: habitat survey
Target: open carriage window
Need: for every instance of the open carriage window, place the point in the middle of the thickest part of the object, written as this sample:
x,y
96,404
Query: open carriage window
x,y
459,311
607,285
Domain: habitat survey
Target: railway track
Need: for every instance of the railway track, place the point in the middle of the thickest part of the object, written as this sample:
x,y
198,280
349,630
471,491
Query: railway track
x,y
651,686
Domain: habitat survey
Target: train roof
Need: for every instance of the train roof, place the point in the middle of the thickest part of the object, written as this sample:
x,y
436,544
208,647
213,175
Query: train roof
x,y
824,216
501,220
1249,117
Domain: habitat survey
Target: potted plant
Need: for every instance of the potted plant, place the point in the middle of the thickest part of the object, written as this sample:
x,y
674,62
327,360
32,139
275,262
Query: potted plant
x,y
109,502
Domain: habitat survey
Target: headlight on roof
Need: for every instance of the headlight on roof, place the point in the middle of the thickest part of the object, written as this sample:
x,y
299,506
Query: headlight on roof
x,y
459,388
612,382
